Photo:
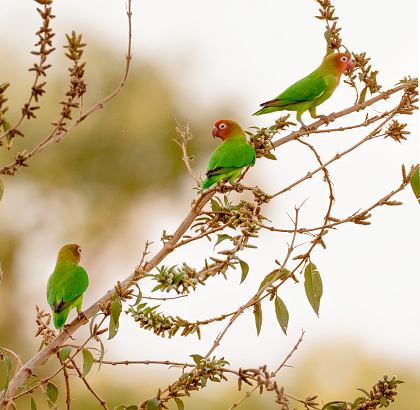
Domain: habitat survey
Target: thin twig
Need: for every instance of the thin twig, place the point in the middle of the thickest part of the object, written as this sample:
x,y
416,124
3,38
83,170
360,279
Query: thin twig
x,y
66,380
185,136
273,374
370,136
101,401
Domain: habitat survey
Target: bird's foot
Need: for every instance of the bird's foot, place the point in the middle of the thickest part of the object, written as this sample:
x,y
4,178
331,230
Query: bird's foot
x,y
238,187
65,327
81,316
304,126
323,117
223,188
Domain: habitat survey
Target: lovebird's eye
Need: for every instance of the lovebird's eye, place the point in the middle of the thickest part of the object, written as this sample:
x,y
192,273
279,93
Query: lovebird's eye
x,y
79,249
222,126
344,59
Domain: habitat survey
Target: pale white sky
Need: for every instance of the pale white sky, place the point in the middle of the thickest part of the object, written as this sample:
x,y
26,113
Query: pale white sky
x,y
246,52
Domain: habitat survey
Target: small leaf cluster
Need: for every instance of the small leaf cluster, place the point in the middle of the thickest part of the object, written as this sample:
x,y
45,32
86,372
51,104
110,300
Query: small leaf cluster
x,y
206,369
180,279
381,395
262,141
331,35
365,75
149,319
396,131
43,321
77,83
222,213
410,97
244,215
45,35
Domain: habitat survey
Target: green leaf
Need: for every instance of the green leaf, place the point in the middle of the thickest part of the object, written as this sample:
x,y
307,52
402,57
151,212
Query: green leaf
x,y
197,358
362,97
87,361
8,363
33,404
335,405
113,329
415,184
52,393
356,402
162,285
223,362
328,35
139,297
215,207
244,267
65,353
153,404
92,322
221,238
203,382
1,189
101,357
271,276
282,314
6,126
364,391
313,286
258,317
384,402
179,403
116,308
361,76
269,155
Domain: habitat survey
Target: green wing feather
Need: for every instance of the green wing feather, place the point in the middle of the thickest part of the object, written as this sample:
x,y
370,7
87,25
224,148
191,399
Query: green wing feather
x,y
65,290
228,160
307,88
303,95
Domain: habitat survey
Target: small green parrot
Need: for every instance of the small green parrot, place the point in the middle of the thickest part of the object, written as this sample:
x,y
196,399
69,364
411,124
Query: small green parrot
x,y
311,91
66,284
228,159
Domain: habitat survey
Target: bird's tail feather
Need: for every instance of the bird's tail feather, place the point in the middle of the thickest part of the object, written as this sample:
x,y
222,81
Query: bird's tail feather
x,y
59,318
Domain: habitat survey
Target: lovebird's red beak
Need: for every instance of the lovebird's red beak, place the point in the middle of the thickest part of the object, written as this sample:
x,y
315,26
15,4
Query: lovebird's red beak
x,y
215,132
349,65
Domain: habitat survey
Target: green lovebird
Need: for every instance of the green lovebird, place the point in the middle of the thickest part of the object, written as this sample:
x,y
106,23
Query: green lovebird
x,y
228,159
66,284
314,89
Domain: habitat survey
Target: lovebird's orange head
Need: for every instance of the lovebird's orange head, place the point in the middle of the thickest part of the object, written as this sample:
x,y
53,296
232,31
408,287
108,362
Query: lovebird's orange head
x,y
341,60
70,253
225,129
